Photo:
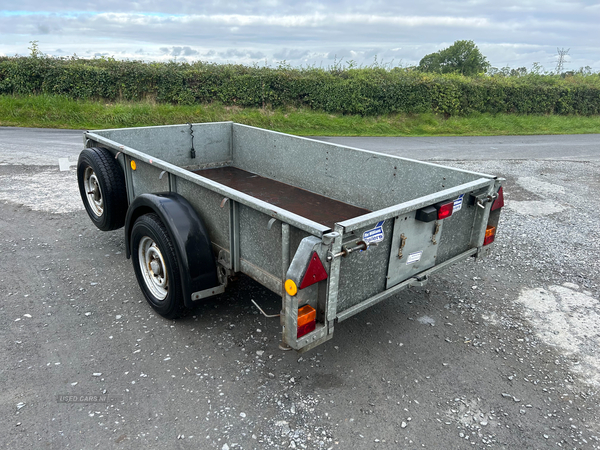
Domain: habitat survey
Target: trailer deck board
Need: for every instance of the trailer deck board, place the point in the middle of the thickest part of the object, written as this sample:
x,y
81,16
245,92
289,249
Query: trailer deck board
x,y
316,207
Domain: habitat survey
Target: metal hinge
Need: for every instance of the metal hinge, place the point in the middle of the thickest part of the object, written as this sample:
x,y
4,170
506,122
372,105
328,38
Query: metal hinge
x,y
402,244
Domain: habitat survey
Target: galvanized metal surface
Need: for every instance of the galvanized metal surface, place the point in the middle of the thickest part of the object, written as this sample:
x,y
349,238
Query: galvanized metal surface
x,y
449,262
270,210
208,292
172,182
334,275
458,229
363,274
234,235
419,251
403,208
343,315
365,179
456,237
146,179
314,295
285,253
263,277
481,218
128,178
172,143
258,244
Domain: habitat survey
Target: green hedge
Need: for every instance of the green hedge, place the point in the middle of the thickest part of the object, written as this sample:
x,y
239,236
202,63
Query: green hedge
x,y
365,91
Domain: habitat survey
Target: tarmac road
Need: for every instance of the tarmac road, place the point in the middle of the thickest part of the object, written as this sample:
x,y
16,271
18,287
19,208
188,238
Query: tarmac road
x,y
39,146
501,353
582,147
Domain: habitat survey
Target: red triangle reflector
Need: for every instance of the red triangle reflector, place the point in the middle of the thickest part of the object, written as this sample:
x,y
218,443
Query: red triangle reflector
x,y
499,202
315,272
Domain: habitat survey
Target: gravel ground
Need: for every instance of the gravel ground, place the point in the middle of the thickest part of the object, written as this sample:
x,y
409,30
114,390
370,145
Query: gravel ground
x,y
500,353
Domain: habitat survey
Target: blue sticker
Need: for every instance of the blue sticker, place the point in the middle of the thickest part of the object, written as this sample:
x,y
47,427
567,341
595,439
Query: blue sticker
x,y
375,234
458,203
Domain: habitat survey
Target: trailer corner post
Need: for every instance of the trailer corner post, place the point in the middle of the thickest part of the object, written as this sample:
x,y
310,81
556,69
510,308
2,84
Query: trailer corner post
x,y
234,238
285,264
481,218
334,276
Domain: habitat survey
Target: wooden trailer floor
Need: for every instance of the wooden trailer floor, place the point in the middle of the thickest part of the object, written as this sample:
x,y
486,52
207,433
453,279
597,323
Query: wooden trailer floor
x,y
313,206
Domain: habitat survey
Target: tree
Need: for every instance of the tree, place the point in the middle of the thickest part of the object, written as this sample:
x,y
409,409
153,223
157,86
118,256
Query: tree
x,y
461,57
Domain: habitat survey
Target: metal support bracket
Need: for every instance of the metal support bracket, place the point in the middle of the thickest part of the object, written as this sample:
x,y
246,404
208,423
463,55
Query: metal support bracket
x,y
482,199
346,250
208,292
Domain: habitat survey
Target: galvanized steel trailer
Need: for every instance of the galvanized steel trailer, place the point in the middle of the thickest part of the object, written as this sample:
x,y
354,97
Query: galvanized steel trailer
x,y
331,229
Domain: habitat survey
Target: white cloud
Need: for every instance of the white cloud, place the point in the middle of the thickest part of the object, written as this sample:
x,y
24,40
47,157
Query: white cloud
x,y
514,33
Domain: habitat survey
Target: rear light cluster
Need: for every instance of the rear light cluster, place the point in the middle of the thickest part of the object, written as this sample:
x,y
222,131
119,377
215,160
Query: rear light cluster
x,y
314,273
438,211
307,320
490,235
307,315
490,231
443,210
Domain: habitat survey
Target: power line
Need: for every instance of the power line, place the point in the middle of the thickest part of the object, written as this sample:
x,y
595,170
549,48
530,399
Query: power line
x,y
561,59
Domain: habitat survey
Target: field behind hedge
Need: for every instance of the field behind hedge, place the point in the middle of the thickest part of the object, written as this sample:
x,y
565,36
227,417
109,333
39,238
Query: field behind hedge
x,y
366,91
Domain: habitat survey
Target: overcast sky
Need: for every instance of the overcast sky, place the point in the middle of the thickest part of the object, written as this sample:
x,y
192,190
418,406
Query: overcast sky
x,y
509,33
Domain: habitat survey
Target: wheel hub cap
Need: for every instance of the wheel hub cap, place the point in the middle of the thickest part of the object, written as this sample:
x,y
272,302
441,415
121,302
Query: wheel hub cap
x,y
93,191
152,265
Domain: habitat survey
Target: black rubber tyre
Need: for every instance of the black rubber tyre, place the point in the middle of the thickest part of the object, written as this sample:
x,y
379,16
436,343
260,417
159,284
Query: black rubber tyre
x,y
102,188
156,267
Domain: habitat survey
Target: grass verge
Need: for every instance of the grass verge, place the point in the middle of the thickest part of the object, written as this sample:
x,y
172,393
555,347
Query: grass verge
x,y
59,112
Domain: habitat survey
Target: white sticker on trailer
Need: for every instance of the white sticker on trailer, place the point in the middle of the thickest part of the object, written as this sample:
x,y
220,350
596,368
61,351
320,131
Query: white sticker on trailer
x,y
458,203
414,257
375,234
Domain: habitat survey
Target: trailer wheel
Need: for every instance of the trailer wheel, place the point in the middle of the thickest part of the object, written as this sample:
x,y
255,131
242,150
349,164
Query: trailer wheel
x,y
155,265
102,188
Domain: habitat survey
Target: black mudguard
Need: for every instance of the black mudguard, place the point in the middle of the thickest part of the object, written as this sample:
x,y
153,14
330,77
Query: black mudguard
x,y
188,235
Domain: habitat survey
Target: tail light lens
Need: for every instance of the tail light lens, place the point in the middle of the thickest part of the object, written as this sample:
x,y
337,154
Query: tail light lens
x,y
307,320
490,235
445,210
499,202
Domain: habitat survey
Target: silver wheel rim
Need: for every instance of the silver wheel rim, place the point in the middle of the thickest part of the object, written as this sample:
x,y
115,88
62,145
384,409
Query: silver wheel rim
x,y
153,268
93,191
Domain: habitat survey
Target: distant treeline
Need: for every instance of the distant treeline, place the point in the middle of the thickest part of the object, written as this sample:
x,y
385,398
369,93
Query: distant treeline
x,y
347,90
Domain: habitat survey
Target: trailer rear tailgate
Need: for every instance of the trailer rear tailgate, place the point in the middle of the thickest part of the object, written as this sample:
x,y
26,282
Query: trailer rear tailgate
x,y
406,247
